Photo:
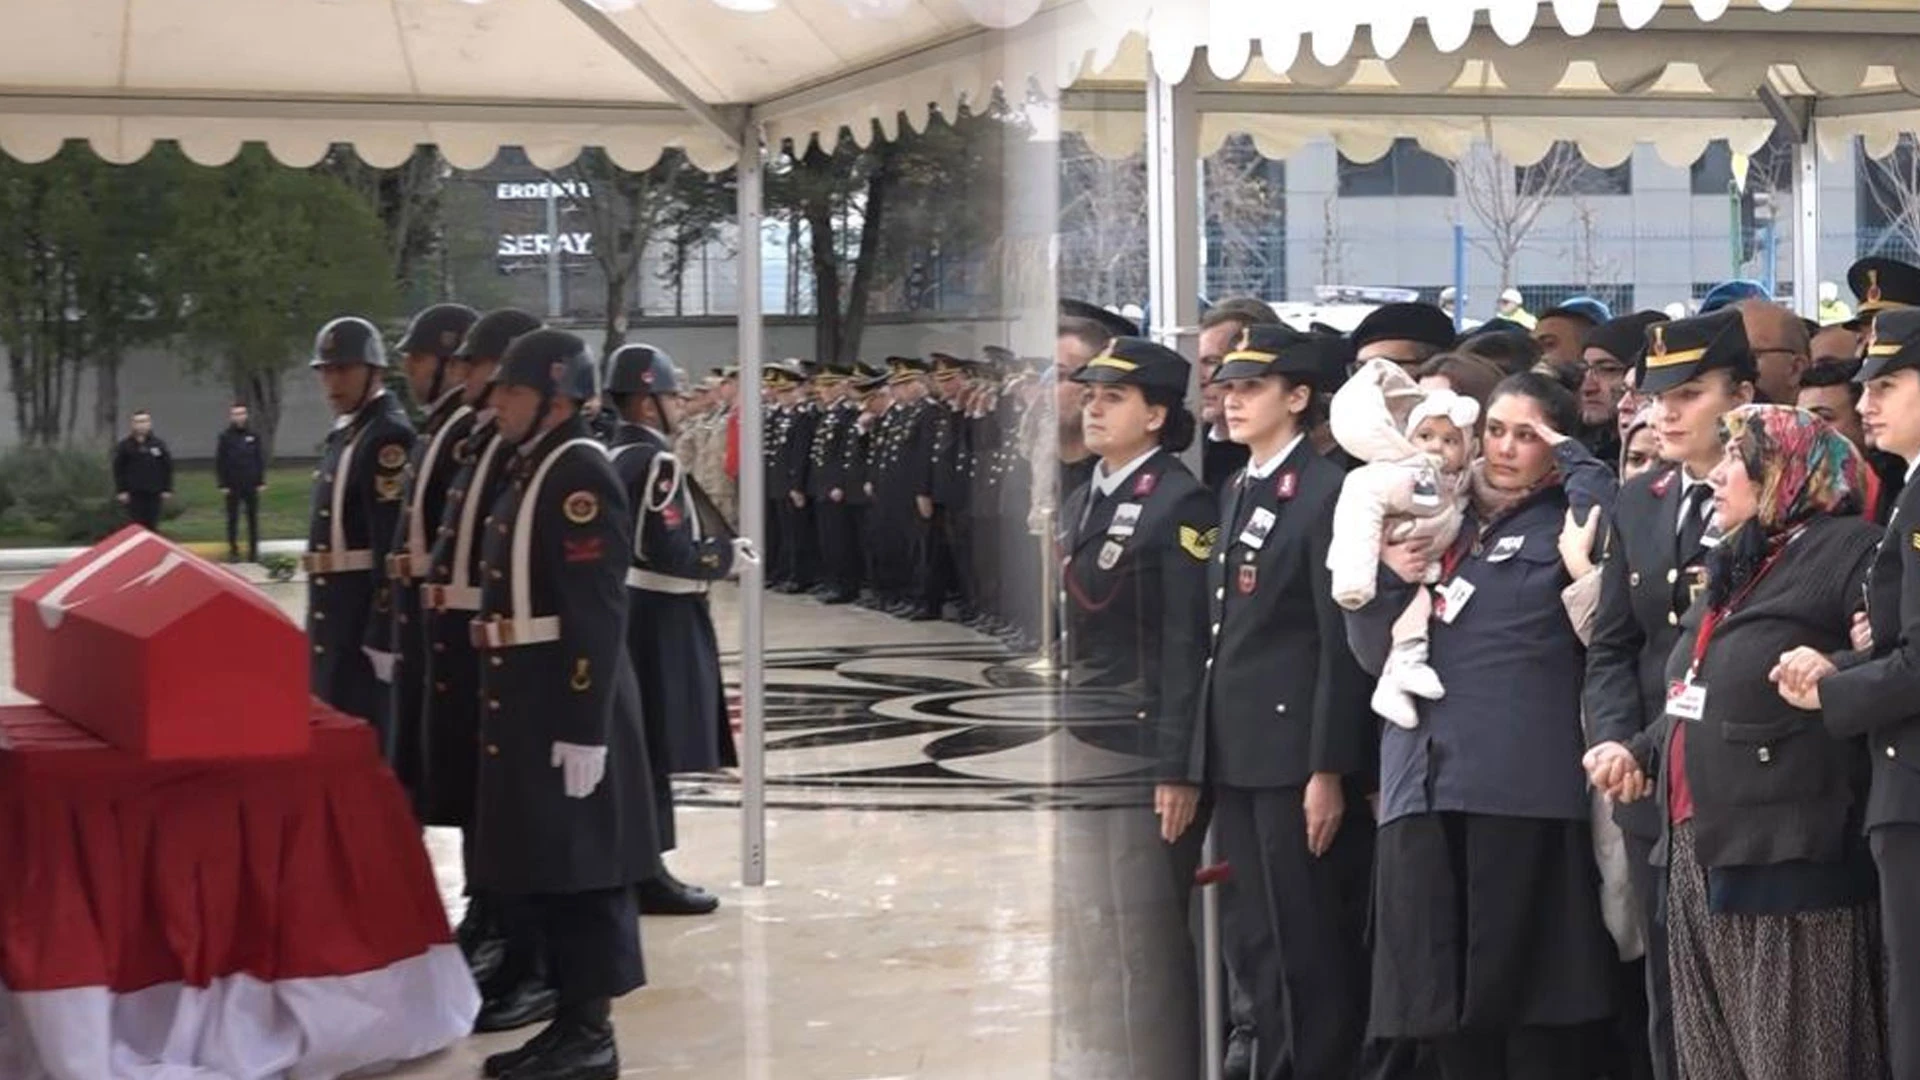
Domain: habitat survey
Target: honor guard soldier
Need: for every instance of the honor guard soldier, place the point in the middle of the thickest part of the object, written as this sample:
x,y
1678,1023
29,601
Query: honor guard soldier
x,y
427,360
788,480
944,565
900,490
1875,692
356,507
681,545
1136,539
564,826
829,486
1695,370
1285,730
510,974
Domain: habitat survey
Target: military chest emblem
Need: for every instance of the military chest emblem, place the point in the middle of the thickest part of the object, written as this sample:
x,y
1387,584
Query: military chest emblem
x,y
1109,554
1249,579
1198,544
1143,486
581,507
387,487
1288,483
392,456
1915,540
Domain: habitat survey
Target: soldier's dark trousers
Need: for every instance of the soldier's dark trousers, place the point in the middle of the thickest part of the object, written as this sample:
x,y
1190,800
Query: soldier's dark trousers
x,y
143,508
250,502
1655,1051
1298,933
777,541
957,532
934,565
589,940
838,546
1896,850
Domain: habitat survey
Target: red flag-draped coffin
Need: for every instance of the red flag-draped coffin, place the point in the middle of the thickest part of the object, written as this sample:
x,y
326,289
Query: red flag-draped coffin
x,y
162,653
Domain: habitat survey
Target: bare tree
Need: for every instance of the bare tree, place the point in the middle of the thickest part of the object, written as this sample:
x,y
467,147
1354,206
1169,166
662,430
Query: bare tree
x,y
1597,270
1103,224
1333,249
1507,201
1244,215
1893,182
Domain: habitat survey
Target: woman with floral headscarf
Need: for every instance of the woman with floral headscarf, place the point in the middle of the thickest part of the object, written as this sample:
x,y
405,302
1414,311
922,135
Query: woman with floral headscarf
x,y
1772,935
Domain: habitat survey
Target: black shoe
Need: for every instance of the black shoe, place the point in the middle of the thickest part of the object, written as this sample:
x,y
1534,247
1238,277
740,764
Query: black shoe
x,y
899,609
836,599
1239,1061
923,615
667,895
528,1001
579,1051
500,1064
484,958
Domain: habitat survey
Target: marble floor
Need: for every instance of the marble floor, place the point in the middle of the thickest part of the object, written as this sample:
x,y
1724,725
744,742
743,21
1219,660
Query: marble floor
x,y
907,926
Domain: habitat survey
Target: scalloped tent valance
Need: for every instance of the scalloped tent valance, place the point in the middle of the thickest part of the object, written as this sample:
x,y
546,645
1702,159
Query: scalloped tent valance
x,y
555,75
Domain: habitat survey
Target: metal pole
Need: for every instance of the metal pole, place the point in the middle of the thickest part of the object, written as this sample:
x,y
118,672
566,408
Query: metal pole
x,y
1459,277
1213,1010
753,512
554,301
1051,656
1806,223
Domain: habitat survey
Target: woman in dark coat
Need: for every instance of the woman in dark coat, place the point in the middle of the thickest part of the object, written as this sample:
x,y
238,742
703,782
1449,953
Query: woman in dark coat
x,y
1488,940
1135,540
1770,884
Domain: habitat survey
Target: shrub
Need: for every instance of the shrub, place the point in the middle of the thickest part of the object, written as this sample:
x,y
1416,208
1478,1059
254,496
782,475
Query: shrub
x,y
64,494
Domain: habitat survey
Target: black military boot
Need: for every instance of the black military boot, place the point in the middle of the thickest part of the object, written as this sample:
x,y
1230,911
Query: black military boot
x,y
581,1047
518,995
480,942
668,895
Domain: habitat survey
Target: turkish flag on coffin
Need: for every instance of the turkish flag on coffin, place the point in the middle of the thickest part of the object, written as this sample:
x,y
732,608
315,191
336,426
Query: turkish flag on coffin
x,y
163,654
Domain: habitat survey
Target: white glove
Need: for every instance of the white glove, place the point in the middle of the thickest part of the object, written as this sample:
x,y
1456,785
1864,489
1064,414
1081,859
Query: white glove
x,y
382,664
581,767
744,552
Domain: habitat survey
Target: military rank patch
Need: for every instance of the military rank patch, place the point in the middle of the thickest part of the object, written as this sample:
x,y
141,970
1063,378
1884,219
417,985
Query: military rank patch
x,y
1915,540
581,507
1199,544
392,456
581,680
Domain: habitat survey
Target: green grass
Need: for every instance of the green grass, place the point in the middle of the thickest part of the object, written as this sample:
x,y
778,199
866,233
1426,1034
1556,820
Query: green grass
x,y
202,510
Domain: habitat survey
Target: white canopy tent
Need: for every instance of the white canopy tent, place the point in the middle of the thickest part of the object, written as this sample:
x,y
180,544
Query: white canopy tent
x,y
552,76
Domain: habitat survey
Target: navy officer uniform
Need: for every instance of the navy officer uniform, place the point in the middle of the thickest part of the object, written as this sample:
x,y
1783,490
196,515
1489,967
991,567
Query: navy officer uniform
x,y
681,545
355,508
1654,567
564,821
1284,699
1135,547
1877,694
434,334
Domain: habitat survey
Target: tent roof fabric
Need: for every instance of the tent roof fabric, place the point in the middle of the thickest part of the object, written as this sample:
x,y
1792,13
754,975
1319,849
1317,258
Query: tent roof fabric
x,y
552,76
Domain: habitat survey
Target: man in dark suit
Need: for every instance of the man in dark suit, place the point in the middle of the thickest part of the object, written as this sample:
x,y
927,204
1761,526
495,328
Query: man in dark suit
x,y
240,471
1284,727
1875,691
356,506
142,471
564,823
1695,370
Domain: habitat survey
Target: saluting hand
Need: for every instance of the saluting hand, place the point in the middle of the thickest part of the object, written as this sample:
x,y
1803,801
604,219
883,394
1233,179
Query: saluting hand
x,y
1325,804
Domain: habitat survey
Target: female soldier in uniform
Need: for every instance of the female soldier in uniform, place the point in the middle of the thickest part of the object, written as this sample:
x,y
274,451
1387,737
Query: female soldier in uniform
x,y
1136,538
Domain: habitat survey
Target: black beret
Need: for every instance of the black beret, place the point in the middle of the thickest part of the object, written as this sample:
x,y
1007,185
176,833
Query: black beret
x,y
1424,323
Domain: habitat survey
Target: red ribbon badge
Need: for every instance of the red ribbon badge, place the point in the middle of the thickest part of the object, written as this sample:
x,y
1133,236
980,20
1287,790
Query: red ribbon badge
x,y
1288,483
1143,485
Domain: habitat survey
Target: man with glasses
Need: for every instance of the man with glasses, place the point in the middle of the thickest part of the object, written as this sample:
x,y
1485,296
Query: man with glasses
x,y
1781,348
1612,349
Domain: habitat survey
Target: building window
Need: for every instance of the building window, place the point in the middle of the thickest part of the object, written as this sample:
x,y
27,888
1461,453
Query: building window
x,y
1564,172
1404,170
1769,168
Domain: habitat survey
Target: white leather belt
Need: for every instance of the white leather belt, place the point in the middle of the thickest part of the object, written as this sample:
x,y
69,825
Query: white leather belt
x,y
649,581
501,633
400,566
336,562
450,597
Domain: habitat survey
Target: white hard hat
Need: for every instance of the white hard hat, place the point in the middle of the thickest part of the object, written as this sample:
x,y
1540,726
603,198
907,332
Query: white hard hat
x,y
1447,295
1676,310
1510,296
1829,292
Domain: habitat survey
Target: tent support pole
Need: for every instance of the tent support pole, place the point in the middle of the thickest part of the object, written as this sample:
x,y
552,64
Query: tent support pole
x,y
1806,223
753,525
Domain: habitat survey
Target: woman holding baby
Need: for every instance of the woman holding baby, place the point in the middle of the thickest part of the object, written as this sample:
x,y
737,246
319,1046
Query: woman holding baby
x,y
1489,943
